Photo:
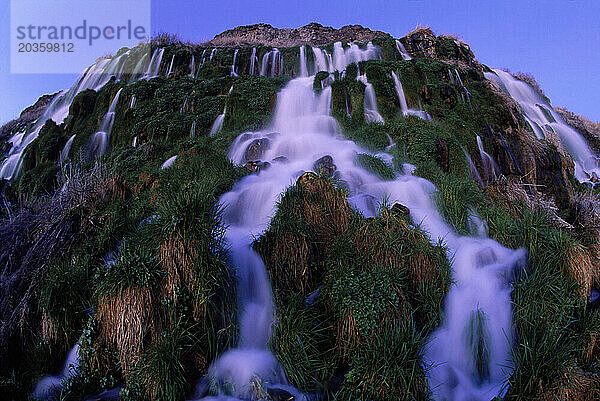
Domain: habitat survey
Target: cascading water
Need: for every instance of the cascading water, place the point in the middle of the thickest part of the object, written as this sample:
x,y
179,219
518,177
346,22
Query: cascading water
x,y
218,123
272,63
212,54
94,77
253,60
169,162
490,167
402,50
541,116
478,307
65,152
193,129
402,99
170,71
233,68
303,68
370,104
100,141
49,386
193,67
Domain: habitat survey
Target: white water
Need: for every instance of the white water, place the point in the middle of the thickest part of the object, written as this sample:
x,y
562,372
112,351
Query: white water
x,y
100,141
212,54
402,50
272,63
303,131
169,162
253,60
218,123
192,67
233,68
94,77
49,386
65,152
193,130
370,103
490,167
170,71
532,103
342,57
402,99
303,68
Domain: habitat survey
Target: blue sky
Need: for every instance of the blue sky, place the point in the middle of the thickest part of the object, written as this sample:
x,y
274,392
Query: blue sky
x,y
558,41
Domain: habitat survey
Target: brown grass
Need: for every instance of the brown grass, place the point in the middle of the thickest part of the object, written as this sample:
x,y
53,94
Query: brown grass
x,y
574,385
126,320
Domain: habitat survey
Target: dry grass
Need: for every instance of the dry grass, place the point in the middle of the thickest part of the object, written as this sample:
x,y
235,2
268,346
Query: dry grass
x,y
126,319
574,385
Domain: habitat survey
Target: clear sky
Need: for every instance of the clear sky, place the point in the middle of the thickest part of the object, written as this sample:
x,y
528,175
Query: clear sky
x,y
558,41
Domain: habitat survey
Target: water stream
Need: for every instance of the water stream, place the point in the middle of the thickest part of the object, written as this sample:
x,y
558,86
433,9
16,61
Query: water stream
x,y
541,116
478,308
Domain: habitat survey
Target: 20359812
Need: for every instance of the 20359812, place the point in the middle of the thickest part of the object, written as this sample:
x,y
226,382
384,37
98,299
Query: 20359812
x,y
35,47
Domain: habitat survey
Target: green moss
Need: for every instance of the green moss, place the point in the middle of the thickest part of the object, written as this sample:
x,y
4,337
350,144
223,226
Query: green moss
x,y
375,166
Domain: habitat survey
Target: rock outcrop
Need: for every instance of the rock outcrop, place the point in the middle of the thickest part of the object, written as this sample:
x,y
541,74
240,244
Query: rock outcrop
x,y
590,130
313,34
28,115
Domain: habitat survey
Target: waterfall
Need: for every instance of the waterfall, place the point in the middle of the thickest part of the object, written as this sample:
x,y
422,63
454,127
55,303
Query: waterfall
x,y
169,162
93,77
541,116
233,69
275,64
155,61
475,176
49,386
100,141
303,69
218,123
303,131
212,54
490,167
253,60
171,66
320,60
402,50
65,152
133,102
139,68
193,130
192,67
370,103
402,99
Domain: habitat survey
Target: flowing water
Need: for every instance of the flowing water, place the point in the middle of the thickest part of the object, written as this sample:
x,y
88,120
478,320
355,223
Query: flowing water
x,y
402,50
402,99
370,103
49,386
253,60
100,141
490,167
541,116
472,344
233,67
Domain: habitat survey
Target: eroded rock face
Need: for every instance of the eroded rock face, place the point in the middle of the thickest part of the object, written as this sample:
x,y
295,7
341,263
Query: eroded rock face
x,y
313,34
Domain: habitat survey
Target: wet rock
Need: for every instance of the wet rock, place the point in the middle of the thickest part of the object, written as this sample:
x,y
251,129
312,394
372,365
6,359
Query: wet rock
x,y
280,159
306,179
256,149
324,166
256,166
442,154
401,211
279,394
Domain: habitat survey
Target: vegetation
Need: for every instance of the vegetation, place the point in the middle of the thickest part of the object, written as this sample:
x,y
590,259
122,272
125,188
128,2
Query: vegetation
x,y
130,260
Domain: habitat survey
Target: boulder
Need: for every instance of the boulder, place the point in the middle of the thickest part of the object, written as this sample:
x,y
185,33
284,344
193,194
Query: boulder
x,y
256,149
256,166
324,166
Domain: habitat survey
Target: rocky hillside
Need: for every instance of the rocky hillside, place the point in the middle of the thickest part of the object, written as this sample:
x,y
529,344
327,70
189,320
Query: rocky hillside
x,y
116,243
312,34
